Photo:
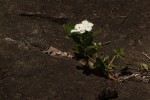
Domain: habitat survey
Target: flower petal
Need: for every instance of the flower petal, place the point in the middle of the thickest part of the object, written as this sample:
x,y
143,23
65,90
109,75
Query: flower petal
x,y
85,22
82,31
79,27
74,30
88,29
90,24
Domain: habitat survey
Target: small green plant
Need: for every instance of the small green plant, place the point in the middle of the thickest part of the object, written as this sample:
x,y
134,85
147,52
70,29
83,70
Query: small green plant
x,y
83,37
118,53
82,34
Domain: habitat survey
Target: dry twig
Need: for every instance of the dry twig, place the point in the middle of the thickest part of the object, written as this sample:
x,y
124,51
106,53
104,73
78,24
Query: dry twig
x,y
127,15
146,55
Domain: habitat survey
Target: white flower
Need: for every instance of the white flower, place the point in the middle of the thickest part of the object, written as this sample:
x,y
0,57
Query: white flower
x,y
88,25
83,27
74,30
79,28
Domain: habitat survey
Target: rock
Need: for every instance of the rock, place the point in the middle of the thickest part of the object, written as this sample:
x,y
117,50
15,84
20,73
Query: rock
x,y
145,79
108,93
52,51
90,64
82,62
64,54
132,42
70,56
58,52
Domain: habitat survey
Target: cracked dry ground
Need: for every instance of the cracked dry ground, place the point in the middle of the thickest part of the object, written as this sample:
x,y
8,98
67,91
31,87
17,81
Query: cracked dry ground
x,y
28,74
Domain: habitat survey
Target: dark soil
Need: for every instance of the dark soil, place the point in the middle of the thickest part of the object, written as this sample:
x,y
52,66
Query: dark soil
x,y
28,74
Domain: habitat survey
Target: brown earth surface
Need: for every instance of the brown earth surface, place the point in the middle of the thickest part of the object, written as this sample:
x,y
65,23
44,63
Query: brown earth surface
x,y
28,74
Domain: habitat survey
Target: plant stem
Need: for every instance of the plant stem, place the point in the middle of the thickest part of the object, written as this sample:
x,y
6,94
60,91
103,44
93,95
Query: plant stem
x,y
91,58
112,60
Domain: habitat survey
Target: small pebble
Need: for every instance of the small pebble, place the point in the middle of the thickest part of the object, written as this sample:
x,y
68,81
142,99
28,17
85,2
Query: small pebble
x,y
70,56
53,54
64,54
132,42
108,93
58,52
136,75
82,62
117,74
144,77
146,80
90,64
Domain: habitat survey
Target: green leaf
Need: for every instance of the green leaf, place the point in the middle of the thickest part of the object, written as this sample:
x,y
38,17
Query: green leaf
x,y
91,46
76,38
90,51
69,26
88,41
99,45
88,34
67,37
75,50
99,65
105,59
119,52
79,51
95,32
